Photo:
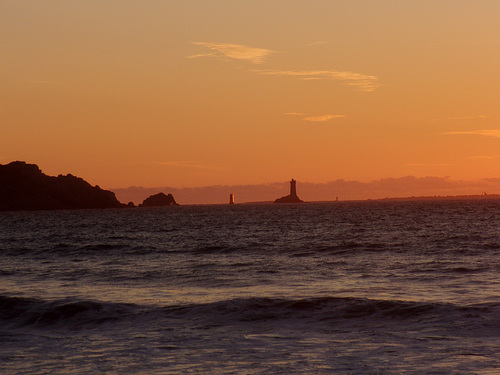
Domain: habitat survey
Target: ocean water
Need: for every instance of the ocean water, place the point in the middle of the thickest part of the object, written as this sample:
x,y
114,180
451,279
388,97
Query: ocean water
x,y
380,287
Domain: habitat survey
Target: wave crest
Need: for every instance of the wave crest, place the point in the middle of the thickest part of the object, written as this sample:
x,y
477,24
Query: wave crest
x,y
23,312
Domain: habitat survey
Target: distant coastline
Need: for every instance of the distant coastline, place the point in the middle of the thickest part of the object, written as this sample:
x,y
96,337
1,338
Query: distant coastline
x,y
398,189
441,197
388,199
25,187
419,198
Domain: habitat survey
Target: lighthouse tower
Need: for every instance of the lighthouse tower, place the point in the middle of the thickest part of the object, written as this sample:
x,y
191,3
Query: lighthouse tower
x,y
292,198
293,188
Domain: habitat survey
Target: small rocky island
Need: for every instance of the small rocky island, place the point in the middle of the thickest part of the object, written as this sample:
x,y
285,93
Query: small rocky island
x,y
24,187
292,198
159,200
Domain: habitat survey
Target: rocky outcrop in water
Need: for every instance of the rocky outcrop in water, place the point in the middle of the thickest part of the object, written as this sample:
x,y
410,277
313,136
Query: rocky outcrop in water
x,y
24,187
159,200
292,197
289,199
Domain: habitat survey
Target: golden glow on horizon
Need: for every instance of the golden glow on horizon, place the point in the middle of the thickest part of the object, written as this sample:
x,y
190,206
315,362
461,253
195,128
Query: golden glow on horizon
x,y
174,93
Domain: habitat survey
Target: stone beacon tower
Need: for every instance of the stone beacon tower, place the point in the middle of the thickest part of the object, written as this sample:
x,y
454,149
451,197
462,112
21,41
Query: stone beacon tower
x,y
292,198
293,188
231,198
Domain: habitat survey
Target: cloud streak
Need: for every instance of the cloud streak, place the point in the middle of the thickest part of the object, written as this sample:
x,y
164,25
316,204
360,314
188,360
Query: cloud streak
x,y
487,133
322,118
483,157
461,118
469,117
362,82
233,51
424,165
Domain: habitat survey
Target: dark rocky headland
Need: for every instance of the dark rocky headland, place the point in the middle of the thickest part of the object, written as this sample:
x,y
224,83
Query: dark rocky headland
x,y
24,187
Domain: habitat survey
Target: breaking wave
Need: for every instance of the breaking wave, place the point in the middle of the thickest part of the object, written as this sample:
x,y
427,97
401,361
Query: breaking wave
x,y
23,312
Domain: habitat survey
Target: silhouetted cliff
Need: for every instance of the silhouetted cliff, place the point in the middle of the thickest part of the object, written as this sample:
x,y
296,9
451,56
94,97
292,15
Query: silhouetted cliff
x,y
159,200
24,187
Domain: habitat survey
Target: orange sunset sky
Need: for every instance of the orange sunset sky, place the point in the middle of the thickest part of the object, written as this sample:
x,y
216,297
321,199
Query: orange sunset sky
x,y
200,93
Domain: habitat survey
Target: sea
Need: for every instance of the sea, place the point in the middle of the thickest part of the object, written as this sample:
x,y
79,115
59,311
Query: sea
x,y
371,287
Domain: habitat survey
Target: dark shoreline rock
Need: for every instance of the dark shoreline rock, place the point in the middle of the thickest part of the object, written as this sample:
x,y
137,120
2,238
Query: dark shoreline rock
x,y
24,187
289,199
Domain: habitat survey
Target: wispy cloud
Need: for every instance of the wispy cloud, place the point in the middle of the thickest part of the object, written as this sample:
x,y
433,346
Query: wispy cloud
x,y
424,165
189,164
322,118
233,51
461,118
362,82
483,157
487,133
469,117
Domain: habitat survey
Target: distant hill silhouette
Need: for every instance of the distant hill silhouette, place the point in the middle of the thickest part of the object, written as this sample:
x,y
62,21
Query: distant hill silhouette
x,y
159,200
24,187
345,190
